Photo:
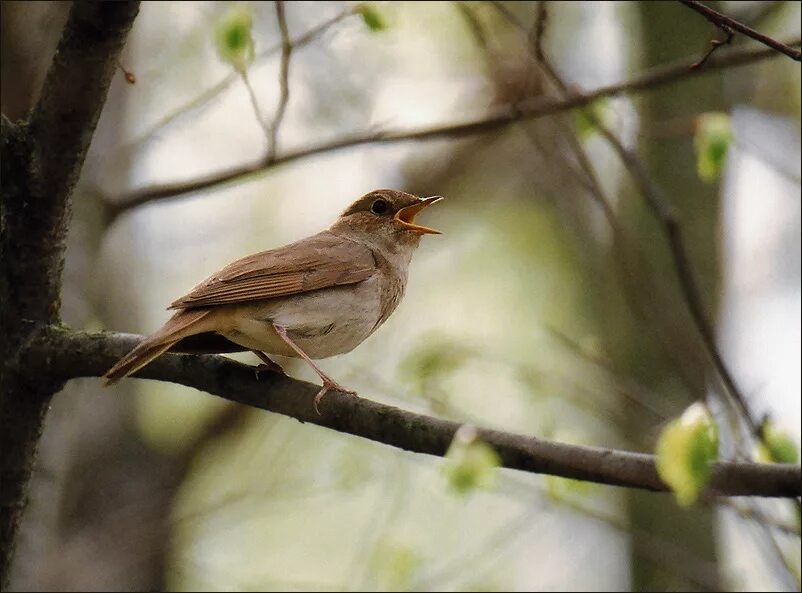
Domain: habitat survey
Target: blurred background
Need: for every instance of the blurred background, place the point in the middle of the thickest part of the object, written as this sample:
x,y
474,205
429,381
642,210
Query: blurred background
x,y
548,307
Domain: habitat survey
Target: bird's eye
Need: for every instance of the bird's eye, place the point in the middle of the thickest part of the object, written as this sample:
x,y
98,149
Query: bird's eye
x,y
379,207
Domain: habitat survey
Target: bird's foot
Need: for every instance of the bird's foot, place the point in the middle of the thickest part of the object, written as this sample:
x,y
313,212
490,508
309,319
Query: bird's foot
x,y
330,385
264,367
268,364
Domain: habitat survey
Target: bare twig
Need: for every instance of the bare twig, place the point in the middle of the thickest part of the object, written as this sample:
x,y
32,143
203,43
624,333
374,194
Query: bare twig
x,y
256,109
528,110
751,513
665,215
130,77
714,45
66,354
284,88
725,23
206,97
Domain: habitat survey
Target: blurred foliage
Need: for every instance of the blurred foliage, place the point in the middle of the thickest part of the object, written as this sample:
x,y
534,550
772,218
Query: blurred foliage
x,y
434,358
777,446
373,19
587,119
686,448
170,418
561,489
470,463
395,565
234,37
712,142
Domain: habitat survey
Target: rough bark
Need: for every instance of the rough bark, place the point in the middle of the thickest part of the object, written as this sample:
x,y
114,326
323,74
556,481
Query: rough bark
x,y
68,354
41,162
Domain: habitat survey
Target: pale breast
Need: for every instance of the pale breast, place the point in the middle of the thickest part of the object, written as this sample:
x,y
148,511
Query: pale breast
x,y
323,322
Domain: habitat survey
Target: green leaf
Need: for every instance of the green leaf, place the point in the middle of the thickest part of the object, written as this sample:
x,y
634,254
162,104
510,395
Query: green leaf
x,y
777,447
372,17
470,462
685,450
234,38
712,142
586,118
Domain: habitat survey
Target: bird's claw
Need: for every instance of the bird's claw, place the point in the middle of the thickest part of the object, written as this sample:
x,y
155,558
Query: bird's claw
x,y
266,368
329,386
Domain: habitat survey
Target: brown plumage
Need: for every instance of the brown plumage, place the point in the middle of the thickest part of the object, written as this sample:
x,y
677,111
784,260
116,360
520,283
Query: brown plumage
x,y
181,325
314,298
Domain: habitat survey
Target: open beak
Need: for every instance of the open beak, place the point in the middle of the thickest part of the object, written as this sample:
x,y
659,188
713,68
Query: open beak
x,y
406,216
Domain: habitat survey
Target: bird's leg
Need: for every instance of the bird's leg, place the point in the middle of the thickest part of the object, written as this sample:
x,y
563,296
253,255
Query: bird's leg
x,y
328,382
268,364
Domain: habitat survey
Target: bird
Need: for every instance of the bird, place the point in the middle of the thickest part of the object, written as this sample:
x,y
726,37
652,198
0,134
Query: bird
x,y
317,297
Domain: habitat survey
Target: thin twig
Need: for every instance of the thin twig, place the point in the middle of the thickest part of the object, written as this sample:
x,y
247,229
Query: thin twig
x,y
529,110
619,240
664,212
284,88
752,513
666,216
724,22
206,97
255,104
714,45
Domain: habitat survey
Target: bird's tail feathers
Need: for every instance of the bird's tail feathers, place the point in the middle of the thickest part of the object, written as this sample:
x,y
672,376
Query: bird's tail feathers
x,y
182,324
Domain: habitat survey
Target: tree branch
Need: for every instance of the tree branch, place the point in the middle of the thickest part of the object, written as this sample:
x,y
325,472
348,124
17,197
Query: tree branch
x,y
532,109
283,81
197,104
727,24
66,354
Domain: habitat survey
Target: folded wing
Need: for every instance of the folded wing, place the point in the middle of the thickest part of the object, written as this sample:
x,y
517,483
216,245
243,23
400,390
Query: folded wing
x,y
321,261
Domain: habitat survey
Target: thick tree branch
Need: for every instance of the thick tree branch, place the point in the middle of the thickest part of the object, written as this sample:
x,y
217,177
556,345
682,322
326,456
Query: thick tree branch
x,y
727,24
41,162
68,354
532,109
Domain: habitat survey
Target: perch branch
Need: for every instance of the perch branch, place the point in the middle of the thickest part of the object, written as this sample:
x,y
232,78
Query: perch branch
x,y
65,354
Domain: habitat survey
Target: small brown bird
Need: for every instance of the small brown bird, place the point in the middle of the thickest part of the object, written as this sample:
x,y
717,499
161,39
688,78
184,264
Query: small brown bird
x,y
311,299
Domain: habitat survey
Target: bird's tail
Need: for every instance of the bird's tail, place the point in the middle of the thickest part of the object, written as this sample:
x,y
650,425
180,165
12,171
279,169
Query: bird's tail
x,y
185,322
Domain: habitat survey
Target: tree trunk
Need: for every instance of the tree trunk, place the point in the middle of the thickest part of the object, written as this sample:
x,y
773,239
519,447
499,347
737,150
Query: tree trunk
x,y
41,161
662,348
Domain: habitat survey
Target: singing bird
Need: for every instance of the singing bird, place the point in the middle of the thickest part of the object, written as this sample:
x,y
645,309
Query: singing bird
x,y
318,297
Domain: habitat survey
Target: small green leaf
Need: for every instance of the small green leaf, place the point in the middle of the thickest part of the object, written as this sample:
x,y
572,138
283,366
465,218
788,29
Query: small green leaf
x,y
470,462
586,118
685,450
234,38
777,447
372,17
712,142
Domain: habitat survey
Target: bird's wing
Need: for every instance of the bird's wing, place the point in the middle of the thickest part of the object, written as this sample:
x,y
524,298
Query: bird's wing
x,y
320,261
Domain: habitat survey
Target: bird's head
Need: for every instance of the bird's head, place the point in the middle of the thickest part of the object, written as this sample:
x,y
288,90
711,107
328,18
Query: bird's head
x,y
385,217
